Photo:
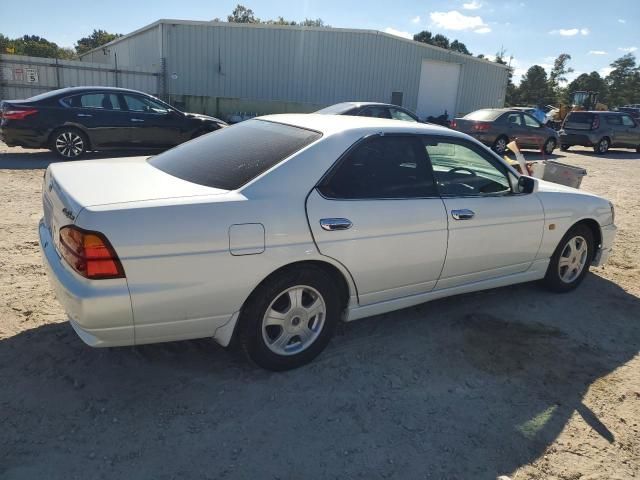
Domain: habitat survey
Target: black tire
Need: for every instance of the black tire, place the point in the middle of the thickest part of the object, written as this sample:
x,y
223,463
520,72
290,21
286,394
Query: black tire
x,y
602,146
564,148
69,143
638,149
267,295
549,146
500,145
553,280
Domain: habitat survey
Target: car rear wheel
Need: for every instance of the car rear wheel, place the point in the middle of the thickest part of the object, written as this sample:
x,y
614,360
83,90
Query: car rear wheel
x,y
602,146
549,146
290,318
571,259
500,145
564,148
69,143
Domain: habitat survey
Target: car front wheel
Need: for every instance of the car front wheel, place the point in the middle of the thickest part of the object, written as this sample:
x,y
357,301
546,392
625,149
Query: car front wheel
x,y
290,318
571,259
69,143
500,145
602,146
549,146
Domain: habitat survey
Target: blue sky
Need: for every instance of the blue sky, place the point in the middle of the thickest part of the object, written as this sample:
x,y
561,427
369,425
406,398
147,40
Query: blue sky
x,y
593,32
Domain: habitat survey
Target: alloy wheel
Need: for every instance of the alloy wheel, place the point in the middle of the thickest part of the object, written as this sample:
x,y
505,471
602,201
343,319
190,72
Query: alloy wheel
x,y
573,259
603,146
550,146
501,146
294,320
69,144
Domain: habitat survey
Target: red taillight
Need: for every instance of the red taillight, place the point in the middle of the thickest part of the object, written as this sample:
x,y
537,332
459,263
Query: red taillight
x,y
18,114
481,126
454,124
596,122
89,253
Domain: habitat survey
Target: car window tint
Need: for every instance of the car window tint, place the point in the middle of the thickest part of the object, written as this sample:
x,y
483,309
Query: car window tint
x,y
627,121
102,101
400,115
138,103
484,115
376,112
614,119
228,158
514,119
463,171
383,168
529,121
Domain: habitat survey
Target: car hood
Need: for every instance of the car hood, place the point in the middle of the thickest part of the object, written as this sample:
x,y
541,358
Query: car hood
x,y
550,187
123,180
204,118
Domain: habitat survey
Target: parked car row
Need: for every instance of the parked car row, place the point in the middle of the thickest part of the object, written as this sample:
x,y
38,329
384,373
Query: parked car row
x,y
72,121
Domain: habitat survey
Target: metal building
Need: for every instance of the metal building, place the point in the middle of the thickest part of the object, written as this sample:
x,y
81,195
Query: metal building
x,y
219,67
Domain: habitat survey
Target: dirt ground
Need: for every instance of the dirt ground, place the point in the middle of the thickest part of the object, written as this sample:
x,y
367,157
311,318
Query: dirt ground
x,y
515,381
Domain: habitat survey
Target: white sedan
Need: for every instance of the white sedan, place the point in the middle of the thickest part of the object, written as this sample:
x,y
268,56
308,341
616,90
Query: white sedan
x,y
274,230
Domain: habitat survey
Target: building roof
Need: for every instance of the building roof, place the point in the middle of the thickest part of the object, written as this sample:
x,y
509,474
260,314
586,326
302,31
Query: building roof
x,y
168,21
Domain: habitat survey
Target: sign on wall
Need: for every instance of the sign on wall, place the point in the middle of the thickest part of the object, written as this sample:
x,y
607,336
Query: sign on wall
x,y
19,74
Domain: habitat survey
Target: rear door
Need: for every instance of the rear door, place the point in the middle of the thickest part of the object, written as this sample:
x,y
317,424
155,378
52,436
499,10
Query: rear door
x,y
102,116
152,124
630,133
378,213
513,125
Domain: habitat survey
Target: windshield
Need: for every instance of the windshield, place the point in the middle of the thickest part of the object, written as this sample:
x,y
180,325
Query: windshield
x,y
228,158
486,114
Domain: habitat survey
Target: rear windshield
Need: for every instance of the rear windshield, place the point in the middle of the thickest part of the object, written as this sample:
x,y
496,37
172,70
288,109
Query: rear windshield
x,y
336,109
580,117
230,157
483,115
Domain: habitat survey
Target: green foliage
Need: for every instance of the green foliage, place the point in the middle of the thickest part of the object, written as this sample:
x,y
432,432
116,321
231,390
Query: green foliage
x,y
588,82
242,14
624,81
441,41
34,46
535,87
95,40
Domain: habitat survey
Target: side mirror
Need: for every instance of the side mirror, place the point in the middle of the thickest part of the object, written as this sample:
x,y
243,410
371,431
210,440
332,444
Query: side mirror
x,y
526,184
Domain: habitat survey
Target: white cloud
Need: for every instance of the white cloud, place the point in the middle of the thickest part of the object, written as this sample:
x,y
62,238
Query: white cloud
x,y
472,5
416,19
398,33
604,71
621,20
628,49
570,32
454,20
597,52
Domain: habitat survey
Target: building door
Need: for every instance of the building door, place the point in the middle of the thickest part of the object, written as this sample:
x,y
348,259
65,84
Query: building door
x,y
438,89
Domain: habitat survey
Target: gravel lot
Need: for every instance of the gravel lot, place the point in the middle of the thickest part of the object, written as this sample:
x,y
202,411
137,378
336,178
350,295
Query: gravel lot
x,y
514,381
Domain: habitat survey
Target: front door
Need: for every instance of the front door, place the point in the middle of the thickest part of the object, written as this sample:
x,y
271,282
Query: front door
x,y
378,213
492,231
152,124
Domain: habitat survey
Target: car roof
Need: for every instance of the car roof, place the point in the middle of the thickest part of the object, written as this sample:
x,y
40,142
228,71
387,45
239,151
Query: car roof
x,y
72,90
332,124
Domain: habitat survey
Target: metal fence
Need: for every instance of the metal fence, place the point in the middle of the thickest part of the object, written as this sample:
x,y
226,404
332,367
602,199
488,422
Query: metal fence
x,y
23,77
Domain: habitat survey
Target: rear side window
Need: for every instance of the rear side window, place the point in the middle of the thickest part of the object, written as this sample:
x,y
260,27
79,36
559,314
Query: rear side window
x,y
627,121
376,112
101,101
228,158
382,168
483,115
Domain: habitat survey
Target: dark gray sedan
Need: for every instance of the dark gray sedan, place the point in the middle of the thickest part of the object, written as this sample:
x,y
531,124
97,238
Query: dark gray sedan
x,y
496,127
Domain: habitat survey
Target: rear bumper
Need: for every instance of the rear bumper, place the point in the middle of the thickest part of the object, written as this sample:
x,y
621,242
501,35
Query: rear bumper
x,y
99,310
581,139
22,137
603,254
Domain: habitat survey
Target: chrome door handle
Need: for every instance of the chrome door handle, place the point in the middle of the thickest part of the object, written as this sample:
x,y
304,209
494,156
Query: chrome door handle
x,y
332,224
136,120
462,214
84,115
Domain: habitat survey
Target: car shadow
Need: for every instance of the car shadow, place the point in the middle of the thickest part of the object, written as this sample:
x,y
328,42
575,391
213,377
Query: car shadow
x,y
40,159
473,386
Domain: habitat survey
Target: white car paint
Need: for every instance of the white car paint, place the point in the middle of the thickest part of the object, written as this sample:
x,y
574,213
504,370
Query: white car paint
x,y
193,254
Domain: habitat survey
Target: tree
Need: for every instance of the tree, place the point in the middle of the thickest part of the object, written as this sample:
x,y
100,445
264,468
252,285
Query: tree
x,y
242,14
95,40
534,87
309,22
441,41
424,36
624,81
281,21
560,70
512,96
459,47
34,46
588,82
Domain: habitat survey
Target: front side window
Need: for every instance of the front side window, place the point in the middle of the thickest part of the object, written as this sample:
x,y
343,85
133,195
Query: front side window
x,y
382,167
514,119
627,121
529,121
400,115
230,157
138,103
614,120
462,170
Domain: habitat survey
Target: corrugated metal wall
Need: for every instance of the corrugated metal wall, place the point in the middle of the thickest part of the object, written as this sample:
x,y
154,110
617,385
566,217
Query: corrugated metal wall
x,y
23,77
141,49
313,66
